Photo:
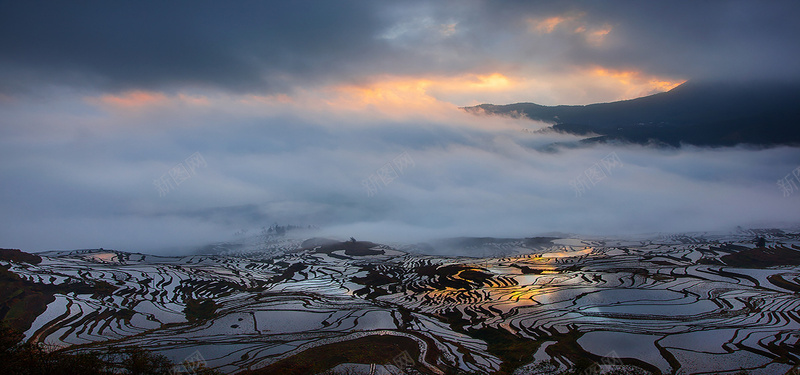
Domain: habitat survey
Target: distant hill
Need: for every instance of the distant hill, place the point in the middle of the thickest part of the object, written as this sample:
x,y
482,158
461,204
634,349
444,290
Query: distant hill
x,y
696,113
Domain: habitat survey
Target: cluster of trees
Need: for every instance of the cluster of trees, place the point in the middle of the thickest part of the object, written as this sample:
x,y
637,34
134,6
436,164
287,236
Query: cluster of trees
x,y
200,309
274,232
280,230
20,358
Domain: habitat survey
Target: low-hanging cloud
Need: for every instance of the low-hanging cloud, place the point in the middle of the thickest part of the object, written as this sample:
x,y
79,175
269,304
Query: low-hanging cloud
x,y
463,175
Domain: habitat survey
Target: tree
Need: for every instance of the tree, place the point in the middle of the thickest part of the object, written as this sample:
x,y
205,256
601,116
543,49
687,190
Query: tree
x,y
138,361
19,358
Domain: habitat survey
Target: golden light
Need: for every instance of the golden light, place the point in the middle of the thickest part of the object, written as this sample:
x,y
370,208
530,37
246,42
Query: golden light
x,y
598,36
593,34
495,81
394,95
139,99
133,99
431,97
635,82
389,94
547,25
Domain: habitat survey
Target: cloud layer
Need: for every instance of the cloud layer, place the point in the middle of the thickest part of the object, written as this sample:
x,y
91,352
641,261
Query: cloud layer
x,y
452,174
277,48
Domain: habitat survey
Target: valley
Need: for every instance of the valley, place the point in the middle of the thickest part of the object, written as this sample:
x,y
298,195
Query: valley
x,y
669,304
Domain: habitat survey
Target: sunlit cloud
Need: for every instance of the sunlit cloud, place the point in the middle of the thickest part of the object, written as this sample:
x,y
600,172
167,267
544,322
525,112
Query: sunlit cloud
x,y
132,99
571,23
392,96
578,85
495,81
405,97
547,25
139,99
597,36
636,83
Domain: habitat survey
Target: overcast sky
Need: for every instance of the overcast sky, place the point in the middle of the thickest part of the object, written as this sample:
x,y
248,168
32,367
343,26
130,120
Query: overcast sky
x,y
345,115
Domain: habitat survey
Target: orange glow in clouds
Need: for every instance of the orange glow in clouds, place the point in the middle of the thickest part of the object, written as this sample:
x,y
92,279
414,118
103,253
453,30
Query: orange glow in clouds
x,y
147,99
593,34
636,81
133,99
401,97
547,25
495,81
598,36
383,96
404,94
390,96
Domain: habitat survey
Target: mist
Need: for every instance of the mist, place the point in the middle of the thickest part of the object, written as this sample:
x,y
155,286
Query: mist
x,y
382,175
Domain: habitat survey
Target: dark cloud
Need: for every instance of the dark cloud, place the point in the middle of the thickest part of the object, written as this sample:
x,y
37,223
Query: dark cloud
x,y
276,46
703,40
249,46
685,39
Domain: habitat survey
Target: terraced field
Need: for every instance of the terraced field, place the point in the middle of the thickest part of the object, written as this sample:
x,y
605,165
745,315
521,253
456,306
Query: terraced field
x,y
672,304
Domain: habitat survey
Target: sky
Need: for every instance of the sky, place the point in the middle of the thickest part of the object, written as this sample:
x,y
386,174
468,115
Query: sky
x,y
145,126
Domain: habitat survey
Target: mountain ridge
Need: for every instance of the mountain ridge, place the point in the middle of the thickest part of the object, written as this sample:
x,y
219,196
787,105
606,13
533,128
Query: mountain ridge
x,y
693,113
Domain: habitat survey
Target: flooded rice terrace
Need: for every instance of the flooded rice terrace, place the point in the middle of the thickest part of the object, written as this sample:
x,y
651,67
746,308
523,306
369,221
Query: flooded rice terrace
x,y
684,304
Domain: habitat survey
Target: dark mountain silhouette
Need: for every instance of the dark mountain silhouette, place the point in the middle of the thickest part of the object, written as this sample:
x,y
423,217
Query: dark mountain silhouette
x,y
696,113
